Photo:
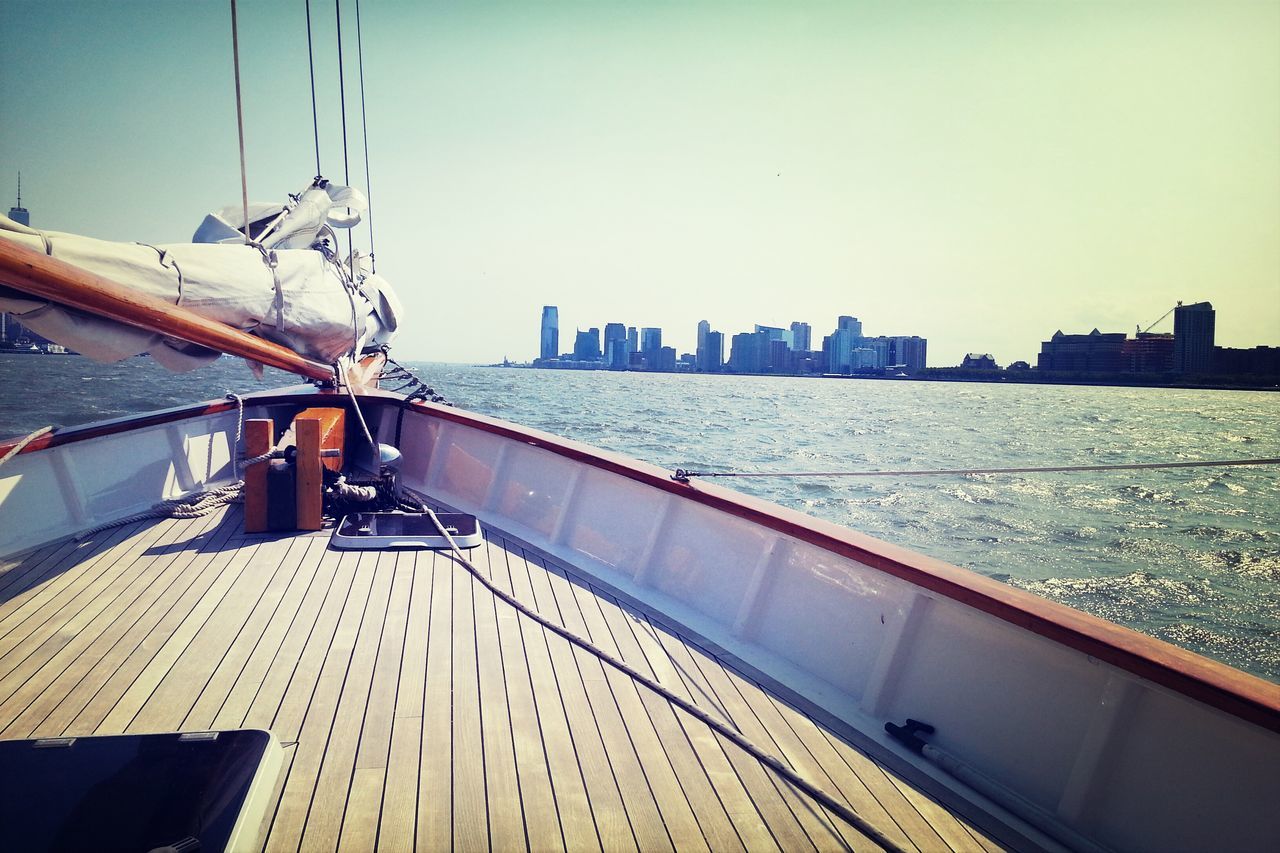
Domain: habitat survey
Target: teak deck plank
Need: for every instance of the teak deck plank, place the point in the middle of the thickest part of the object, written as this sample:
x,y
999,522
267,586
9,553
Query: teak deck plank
x,y
399,806
419,712
705,796
502,786
435,776
603,791
277,599
673,804
97,690
93,650
578,826
537,790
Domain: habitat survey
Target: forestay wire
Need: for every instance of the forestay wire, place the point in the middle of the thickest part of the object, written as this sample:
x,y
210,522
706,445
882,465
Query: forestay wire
x,y
682,475
244,177
364,133
311,65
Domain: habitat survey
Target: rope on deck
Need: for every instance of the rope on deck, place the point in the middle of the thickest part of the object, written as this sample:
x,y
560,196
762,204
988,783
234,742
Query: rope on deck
x,y
840,809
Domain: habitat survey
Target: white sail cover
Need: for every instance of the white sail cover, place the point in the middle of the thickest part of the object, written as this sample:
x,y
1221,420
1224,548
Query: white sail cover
x,y
293,291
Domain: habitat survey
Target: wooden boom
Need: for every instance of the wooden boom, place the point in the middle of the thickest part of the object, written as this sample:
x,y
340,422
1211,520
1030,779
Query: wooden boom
x,y
58,281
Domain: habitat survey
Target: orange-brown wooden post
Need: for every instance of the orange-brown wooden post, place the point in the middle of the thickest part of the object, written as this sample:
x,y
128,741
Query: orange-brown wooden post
x,y
258,433
308,479
316,430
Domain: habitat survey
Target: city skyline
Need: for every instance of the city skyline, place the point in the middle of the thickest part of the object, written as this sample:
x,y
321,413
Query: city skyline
x,y
1189,350
1193,321
977,173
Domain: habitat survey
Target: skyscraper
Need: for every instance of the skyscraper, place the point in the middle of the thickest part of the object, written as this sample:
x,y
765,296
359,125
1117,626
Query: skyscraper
x,y
711,354
550,332
650,339
11,329
586,346
633,340
1193,338
908,351
704,327
18,213
615,346
849,324
801,336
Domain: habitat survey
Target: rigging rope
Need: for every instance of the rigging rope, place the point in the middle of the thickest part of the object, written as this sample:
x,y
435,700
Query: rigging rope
x,y
409,380
342,101
244,178
364,133
17,448
683,475
311,64
831,803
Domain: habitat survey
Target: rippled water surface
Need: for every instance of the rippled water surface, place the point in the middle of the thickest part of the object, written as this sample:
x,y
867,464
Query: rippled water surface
x,y
1188,555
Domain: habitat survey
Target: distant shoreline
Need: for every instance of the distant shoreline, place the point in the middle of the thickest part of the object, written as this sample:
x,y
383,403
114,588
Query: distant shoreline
x,y
993,378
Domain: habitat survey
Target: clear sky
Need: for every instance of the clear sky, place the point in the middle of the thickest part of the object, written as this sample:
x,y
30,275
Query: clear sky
x,y
979,174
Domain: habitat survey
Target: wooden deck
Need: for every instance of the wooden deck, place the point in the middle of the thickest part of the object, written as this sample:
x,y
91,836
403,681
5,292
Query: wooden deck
x,y
418,712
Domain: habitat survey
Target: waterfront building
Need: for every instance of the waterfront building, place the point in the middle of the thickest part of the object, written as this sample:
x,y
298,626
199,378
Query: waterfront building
x,y
1149,352
587,345
909,352
1096,352
615,346
550,347
849,324
663,358
650,339
711,354
779,356
1259,361
880,350
704,328
801,336
979,361
749,352
633,340
1193,338
863,358
839,346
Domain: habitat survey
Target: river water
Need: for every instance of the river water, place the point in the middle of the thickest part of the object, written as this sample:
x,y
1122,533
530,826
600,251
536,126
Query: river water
x,y
1188,555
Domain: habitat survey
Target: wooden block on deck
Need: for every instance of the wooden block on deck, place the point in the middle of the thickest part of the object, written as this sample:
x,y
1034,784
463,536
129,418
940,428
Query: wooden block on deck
x,y
258,433
333,431
315,430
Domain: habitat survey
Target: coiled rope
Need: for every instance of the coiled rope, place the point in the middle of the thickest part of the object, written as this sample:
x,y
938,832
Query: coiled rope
x,y
775,764
199,503
682,475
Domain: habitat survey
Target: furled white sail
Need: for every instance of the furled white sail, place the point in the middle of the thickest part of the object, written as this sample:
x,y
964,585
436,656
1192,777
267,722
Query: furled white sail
x,y
290,288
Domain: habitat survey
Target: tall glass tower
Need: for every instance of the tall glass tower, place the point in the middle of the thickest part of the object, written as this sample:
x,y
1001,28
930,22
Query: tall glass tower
x,y
550,332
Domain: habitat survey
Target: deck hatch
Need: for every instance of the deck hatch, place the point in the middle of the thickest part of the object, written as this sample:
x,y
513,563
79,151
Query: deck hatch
x,y
375,531
135,792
